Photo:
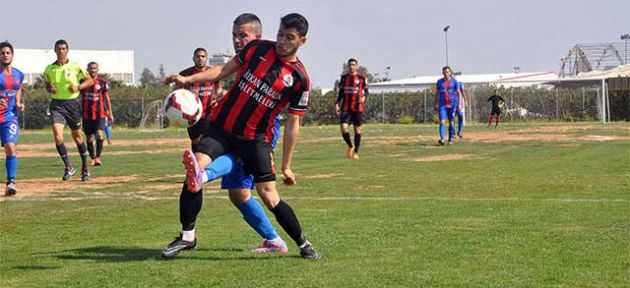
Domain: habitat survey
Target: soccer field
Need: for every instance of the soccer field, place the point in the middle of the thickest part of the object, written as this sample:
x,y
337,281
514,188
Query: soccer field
x,y
522,205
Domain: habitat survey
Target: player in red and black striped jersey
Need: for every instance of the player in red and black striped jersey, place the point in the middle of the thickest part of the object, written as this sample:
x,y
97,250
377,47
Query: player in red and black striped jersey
x,y
353,88
206,91
269,78
96,109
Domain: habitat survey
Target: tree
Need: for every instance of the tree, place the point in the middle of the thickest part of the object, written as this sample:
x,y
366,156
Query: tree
x,y
148,79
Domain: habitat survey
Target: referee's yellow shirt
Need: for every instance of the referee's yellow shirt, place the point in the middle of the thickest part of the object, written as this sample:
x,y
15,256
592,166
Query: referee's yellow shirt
x,y
62,77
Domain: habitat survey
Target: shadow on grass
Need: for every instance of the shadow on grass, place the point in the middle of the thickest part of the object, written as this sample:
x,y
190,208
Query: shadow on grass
x,y
130,254
35,267
110,254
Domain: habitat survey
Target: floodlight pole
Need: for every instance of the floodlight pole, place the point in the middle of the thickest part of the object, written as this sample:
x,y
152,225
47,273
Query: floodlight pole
x,y
446,40
626,37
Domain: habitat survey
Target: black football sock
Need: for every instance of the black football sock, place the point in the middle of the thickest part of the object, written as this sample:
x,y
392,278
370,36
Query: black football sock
x,y
61,149
346,137
99,147
357,142
189,207
84,155
289,222
90,147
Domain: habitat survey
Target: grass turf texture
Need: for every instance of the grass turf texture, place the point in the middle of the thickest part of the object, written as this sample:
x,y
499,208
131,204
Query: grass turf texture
x,y
508,214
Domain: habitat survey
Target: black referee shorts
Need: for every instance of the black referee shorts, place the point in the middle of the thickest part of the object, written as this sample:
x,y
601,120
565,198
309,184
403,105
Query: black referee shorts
x,y
67,112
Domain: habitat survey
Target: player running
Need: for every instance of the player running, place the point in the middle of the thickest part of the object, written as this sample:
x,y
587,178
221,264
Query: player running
x,y
64,79
270,77
447,94
11,80
353,88
96,112
497,101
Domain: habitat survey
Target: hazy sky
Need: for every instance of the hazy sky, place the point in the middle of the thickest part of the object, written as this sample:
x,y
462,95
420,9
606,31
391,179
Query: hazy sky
x,y
485,36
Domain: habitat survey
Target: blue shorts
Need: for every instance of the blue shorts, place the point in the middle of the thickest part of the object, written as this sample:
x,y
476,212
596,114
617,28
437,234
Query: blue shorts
x,y
446,113
10,131
238,179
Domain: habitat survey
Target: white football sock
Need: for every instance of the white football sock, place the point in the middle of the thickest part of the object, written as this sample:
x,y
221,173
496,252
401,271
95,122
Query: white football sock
x,y
188,235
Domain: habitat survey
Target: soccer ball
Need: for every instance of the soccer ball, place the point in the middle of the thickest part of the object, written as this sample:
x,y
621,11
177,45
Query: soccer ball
x,y
182,108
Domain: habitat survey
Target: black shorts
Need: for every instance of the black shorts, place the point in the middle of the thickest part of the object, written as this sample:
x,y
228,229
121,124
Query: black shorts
x,y
197,130
351,117
67,112
256,154
91,126
495,111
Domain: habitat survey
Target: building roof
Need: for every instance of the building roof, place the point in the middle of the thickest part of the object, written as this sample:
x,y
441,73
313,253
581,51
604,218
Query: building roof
x,y
34,61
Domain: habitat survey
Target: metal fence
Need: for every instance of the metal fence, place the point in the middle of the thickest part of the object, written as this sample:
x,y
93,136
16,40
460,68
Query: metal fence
x,y
521,104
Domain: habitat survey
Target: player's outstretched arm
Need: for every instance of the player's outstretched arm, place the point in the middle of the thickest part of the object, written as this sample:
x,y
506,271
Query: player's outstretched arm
x,y
214,74
87,82
291,131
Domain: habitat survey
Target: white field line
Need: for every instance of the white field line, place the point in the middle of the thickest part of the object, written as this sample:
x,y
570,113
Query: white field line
x,y
347,198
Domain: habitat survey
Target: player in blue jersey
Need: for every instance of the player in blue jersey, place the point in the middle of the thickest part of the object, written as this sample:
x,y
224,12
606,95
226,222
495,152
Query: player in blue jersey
x,y
460,112
246,27
10,102
447,94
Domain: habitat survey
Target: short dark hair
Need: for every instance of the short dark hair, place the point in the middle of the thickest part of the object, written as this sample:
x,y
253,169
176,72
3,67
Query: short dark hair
x,y
446,67
5,44
297,21
200,49
353,60
247,18
61,42
92,63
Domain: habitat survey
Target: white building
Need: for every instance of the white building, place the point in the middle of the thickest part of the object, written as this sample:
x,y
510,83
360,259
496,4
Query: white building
x,y
219,59
500,79
119,64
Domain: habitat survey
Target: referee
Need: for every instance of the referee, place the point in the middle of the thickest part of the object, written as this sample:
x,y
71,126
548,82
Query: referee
x,y
64,79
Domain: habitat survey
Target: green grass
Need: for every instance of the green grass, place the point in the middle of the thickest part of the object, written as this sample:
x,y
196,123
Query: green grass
x,y
510,214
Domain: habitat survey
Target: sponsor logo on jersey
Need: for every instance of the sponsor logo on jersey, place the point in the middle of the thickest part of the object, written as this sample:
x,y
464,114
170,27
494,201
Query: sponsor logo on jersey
x,y
287,80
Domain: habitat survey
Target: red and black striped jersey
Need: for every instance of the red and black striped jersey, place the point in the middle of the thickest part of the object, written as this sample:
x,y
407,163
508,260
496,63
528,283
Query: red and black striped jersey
x,y
205,91
351,89
94,99
265,84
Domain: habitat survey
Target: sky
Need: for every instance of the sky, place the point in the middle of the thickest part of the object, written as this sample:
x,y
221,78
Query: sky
x,y
485,36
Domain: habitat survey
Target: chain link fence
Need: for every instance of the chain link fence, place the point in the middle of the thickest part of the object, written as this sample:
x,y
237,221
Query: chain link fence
x,y
521,104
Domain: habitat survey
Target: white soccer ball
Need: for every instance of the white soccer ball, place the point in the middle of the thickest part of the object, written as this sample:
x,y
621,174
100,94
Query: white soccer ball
x,y
182,108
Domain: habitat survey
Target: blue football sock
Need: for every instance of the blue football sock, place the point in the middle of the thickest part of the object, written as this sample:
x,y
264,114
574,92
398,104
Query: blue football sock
x,y
255,216
451,131
220,167
460,125
442,130
11,164
108,132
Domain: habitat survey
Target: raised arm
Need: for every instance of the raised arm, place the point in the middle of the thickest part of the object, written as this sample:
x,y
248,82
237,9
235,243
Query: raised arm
x,y
213,74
